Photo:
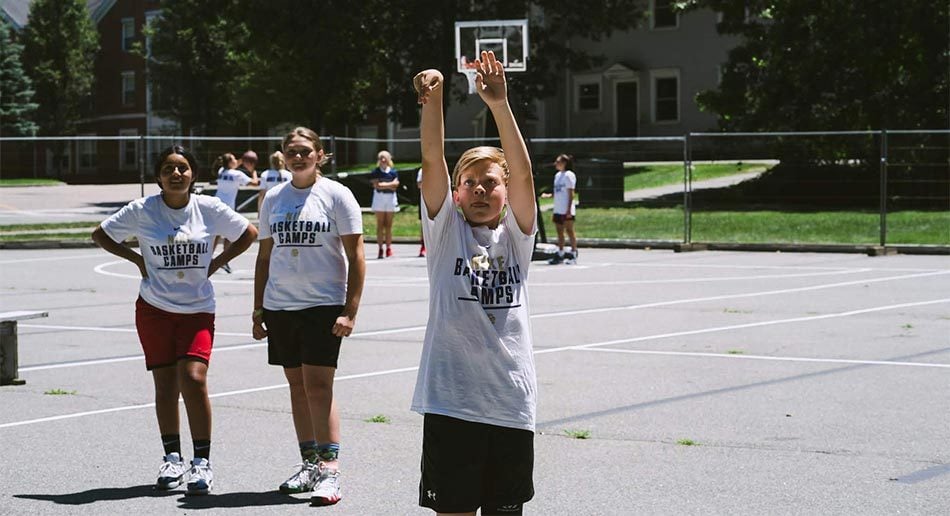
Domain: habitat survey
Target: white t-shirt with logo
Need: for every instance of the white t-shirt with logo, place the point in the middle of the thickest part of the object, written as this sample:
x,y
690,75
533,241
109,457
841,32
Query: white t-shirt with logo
x,y
308,263
271,178
229,181
477,359
176,245
563,181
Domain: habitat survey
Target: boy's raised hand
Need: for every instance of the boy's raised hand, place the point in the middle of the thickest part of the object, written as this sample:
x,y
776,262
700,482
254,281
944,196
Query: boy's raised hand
x,y
490,79
427,82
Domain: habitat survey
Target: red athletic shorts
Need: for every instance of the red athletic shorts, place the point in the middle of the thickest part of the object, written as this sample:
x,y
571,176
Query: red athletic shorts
x,y
167,337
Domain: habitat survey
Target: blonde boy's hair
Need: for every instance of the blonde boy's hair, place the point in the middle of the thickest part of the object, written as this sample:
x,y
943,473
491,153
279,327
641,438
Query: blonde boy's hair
x,y
476,154
384,153
309,134
277,160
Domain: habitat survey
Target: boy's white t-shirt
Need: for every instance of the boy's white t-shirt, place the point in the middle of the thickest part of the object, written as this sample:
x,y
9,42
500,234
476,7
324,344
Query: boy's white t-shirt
x,y
563,181
308,265
271,178
176,245
477,360
229,181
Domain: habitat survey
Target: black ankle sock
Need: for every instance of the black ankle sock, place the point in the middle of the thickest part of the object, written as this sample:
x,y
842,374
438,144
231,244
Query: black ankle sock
x,y
202,448
172,443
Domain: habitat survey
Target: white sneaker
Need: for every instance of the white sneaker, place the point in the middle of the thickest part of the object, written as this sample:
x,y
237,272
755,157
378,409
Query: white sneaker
x,y
304,479
327,490
201,477
172,473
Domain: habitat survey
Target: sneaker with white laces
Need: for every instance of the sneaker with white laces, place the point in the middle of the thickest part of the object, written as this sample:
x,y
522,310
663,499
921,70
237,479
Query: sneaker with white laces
x,y
327,490
173,471
304,479
201,478
570,258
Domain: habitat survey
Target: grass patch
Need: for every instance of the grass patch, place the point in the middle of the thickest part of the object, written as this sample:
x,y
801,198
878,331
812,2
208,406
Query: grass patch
x,y
378,418
26,181
735,352
368,167
650,176
51,225
59,392
687,442
17,237
906,227
577,434
907,326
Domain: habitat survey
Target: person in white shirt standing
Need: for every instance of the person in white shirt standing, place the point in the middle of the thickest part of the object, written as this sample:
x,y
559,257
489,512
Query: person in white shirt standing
x,y
476,386
307,288
273,176
174,314
230,181
564,208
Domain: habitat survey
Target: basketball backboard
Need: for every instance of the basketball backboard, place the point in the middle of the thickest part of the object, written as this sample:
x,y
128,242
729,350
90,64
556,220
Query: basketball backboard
x,y
507,38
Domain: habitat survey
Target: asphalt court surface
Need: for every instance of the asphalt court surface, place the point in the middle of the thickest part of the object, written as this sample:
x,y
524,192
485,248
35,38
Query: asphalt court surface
x,y
806,383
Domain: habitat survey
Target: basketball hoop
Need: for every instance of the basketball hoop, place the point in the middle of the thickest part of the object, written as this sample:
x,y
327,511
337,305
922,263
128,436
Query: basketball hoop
x,y
508,39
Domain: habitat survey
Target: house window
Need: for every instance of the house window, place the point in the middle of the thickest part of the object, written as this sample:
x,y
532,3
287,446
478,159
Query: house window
x,y
128,155
128,88
663,15
666,96
128,33
87,152
587,95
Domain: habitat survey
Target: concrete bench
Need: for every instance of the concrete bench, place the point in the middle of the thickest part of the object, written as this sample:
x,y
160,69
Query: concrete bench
x,y
9,363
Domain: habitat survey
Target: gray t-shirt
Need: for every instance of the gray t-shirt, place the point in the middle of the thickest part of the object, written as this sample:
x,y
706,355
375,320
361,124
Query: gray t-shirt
x,y
308,262
477,360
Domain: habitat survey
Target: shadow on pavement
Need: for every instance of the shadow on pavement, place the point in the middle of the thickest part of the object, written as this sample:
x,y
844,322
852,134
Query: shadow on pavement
x,y
210,501
249,499
100,495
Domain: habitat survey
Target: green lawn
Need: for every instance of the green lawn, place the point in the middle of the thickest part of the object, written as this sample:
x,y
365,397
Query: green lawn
x,y
908,227
666,224
650,176
368,167
30,182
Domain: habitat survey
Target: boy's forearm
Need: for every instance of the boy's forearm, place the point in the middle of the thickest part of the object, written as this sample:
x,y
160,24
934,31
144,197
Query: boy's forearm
x,y
516,151
432,131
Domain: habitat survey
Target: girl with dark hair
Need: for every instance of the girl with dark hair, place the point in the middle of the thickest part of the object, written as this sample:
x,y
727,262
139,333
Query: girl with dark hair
x,y
174,313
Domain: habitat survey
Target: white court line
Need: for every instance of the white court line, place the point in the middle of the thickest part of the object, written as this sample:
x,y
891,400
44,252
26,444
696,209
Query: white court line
x,y
764,357
31,260
421,328
216,350
696,280
218,395
739,296
584,347
743,326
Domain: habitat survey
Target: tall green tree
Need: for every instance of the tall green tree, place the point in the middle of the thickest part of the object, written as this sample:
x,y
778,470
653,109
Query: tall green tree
x,y
60,45
832,65
16,90
197,61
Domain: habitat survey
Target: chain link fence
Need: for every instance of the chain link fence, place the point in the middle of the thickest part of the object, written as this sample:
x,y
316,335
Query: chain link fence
x,y
863,188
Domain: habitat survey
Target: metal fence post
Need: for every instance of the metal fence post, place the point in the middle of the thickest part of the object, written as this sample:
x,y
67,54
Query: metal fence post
x,y
687,187
883,187
140,151
333,155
